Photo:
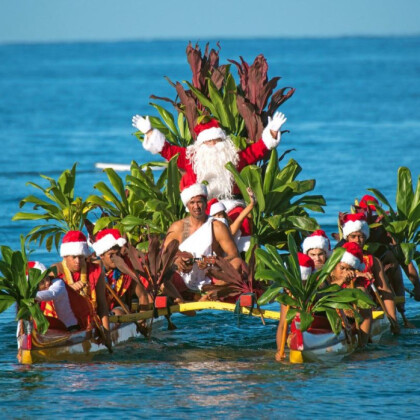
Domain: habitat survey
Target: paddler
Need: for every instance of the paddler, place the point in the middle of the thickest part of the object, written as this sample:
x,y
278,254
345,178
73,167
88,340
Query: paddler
x,y
368,206
356,230
351,268
108,244
199,236
54,299
84,277
317,247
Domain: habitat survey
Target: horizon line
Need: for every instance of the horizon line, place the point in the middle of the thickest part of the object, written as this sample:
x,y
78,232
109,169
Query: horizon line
x,y
208,40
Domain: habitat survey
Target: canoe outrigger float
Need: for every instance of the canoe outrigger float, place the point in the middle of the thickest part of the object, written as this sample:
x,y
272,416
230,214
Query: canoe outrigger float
x,y
322,345
57,345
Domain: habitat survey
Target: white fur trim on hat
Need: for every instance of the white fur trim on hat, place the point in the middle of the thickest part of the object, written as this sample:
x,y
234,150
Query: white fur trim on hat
x,y
268,139
355,226
212,133
38,265
106,243
74,248
353,261
315,242
217,208
154,142
305,272
231,204
193,191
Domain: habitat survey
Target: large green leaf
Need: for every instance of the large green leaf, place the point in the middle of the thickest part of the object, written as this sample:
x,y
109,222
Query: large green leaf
x,y
118,185
271,172
404,191
168,118
306,320
269,295
5,302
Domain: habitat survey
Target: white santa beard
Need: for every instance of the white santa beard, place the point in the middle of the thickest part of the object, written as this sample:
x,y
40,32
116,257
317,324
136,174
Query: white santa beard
x,y
209,162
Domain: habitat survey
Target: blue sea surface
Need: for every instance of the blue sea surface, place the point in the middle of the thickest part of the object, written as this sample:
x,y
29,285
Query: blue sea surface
x,y
353,120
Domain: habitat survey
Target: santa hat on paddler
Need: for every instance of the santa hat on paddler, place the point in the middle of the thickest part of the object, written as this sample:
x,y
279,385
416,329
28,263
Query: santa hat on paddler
x,y
355,222
107,239
36,264
317,240
368,202
209,130
353,256
214,206
74,243
190,188
306,264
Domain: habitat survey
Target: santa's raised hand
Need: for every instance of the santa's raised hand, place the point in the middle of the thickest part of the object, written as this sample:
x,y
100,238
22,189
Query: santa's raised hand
x,y
142,124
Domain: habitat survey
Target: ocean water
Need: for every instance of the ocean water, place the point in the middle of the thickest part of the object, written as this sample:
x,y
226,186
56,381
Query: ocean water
x,y
353,120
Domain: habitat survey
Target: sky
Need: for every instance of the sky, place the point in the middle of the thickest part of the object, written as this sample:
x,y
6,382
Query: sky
x,y
23,21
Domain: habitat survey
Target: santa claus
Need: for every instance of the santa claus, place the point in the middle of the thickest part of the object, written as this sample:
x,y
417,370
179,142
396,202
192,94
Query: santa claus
x,y
205,160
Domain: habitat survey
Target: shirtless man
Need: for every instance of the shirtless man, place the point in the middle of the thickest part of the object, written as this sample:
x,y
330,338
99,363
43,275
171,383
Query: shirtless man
x,y
200,235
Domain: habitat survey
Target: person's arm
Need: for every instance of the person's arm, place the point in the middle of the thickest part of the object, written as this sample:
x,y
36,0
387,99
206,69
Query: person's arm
x,y
103,309
52,293
225,240
236,224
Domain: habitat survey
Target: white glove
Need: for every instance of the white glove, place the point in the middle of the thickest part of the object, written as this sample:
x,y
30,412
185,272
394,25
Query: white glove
x,y
275,123
142,124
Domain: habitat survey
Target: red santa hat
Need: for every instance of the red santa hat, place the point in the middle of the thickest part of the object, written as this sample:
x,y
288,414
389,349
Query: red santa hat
x,y
317,240
214,206
107,239
209,131
306,265
353,256
36,264
190,188
74,243
355,222
368,199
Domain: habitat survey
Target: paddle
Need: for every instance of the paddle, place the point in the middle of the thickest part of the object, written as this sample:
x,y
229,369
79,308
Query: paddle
x,y
280,351
394,324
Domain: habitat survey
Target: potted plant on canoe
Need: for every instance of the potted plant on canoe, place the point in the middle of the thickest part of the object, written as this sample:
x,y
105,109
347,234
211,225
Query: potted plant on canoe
x,y
19,285
306,298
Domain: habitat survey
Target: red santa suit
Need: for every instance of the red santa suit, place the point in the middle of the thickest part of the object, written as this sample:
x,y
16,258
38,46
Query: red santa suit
x,y
156,142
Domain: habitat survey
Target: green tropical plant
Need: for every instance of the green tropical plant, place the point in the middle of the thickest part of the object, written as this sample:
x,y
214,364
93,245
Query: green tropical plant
x,y
60,210
140,205
280,210
403,224
17,287
306,297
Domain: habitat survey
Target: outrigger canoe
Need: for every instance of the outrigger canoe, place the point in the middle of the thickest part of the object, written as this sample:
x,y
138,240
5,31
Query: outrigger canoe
x,y
83,345
58,345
